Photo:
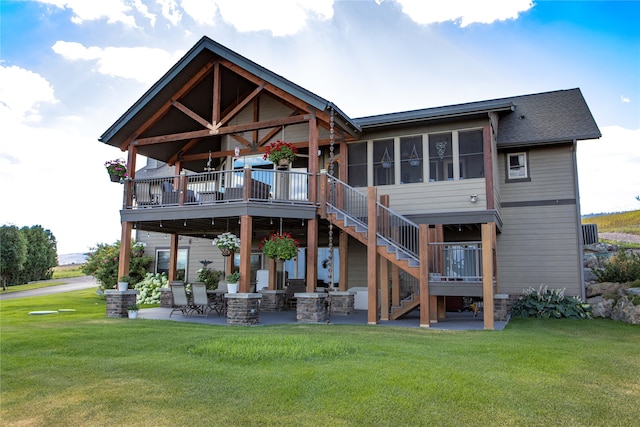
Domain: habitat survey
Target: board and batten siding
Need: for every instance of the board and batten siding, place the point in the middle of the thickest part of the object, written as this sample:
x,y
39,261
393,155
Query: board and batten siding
x,y
436,197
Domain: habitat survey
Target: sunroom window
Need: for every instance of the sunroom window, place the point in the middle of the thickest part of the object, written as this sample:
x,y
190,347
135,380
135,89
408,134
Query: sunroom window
x,y
440,157
383,162
357,154
411,160
471,154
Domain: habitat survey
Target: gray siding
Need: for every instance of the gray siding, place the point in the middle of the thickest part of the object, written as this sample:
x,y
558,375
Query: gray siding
x,y
539,246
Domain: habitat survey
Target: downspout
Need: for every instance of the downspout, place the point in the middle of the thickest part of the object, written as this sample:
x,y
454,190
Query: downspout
x,y
579,220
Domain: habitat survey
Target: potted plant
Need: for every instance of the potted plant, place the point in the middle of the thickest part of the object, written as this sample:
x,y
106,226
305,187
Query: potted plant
x,y
123,283
117,170
227,242
281,153
133,311
279,246
232,282
138,249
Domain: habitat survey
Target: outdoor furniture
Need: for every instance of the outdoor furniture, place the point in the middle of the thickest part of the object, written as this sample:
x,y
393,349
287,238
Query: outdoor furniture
x,y
259,190
199,299
142,194
180,300
293,286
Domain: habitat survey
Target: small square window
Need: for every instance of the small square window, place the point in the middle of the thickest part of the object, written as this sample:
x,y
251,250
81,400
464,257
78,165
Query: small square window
x,y
517,166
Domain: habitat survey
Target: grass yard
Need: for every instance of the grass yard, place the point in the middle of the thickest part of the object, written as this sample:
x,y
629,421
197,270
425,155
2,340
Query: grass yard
x,y
80,368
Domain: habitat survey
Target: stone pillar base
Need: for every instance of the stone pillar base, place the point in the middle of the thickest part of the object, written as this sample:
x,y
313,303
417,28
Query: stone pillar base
x,y
312,307
243,309
117,302
500,307
272,300
166,299
342,303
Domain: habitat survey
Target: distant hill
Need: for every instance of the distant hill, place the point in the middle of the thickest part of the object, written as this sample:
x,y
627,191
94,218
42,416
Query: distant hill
x,y
621,222
68,259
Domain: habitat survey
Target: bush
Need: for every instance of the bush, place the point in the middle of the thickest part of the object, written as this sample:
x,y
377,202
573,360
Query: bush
x,y
209,277
622,268
149,288
546,303
102,264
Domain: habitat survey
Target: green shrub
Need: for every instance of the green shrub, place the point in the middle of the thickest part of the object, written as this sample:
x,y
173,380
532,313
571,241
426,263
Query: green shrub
x,y
149,288
550,303
102,263
209,277
622,268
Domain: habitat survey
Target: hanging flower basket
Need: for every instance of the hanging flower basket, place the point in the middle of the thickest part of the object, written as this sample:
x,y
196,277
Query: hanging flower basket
x,y
280,150
280,246
227,242
117,170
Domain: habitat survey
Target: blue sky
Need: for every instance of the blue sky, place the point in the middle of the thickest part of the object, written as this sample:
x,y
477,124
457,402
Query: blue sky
x,y
69,69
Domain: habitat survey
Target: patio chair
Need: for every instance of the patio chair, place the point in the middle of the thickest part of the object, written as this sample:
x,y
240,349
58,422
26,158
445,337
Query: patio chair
x,y
143,194
200,299
294,286
180,300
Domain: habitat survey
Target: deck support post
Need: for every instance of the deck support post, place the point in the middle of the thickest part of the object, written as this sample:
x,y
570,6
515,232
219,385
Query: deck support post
x,y
425,300
372,256
246,228
487,274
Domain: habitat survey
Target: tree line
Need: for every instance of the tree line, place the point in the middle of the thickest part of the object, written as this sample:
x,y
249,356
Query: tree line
x,y
26,254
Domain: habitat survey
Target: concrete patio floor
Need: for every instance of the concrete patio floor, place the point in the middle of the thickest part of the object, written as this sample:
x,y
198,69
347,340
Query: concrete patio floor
x,y
454,321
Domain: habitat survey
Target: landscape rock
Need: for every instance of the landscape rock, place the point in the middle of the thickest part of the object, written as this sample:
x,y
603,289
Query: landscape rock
x,y
633,292
595,289
625,311
589,276
601,307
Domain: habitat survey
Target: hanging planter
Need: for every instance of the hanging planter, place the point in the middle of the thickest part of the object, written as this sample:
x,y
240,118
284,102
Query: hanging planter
x,y
386,161
283,164
414,160
117,170
227,242
279,246
280,151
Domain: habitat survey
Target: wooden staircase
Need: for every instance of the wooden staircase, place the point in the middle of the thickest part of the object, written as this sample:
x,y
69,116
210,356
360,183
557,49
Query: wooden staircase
x,y
394,253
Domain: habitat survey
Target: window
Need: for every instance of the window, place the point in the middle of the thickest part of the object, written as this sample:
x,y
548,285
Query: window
x,y
411,160
357,168
162,262
383,162
517,166
440,157
471,154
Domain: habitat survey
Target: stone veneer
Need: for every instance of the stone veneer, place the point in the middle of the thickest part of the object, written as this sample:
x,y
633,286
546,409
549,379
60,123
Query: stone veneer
x,y
342,303
166,299
243,308
312,307
272,300
118,302
501,307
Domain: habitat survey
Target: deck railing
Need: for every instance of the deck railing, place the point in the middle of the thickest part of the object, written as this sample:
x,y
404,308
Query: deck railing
x,y
219,187
460,261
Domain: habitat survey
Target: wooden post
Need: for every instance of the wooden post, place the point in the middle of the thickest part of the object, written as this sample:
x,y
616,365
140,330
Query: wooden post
x,y
425,301
272,265
173,258
343,251
323,194
246,190
246,229
312,255
313,161
384,289
125,250
372,256
228,265
487,276
395,285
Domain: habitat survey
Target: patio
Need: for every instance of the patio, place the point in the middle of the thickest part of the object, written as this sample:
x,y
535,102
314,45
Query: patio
x,y
463,321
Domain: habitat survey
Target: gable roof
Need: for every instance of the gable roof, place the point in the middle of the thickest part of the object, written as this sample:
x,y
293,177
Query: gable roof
x,y
196,58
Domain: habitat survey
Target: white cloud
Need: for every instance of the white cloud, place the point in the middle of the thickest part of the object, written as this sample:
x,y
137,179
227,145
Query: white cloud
x,y
171,11
201,11
21,93
465,12
281,18
143,64
608,171
624,99
113,10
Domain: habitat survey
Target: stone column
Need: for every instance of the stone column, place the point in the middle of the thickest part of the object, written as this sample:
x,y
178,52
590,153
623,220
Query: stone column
x,y
243,309
118,301
311,307
342,303
500,307
272,300
166,299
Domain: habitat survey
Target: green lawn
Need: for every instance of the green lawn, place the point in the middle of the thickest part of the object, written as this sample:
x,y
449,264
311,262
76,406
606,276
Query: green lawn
x,y
80,368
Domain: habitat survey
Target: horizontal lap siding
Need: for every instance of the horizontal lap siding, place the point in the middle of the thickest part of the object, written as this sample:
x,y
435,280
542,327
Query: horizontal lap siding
x,y
435,197
538,246
357,263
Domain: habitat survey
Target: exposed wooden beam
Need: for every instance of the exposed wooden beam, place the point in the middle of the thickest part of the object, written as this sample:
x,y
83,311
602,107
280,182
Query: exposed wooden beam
x,y
240,106
217,94
197,78
192,114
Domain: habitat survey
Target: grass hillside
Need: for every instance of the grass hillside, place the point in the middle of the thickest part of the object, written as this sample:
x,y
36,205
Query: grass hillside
x,y
622,222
